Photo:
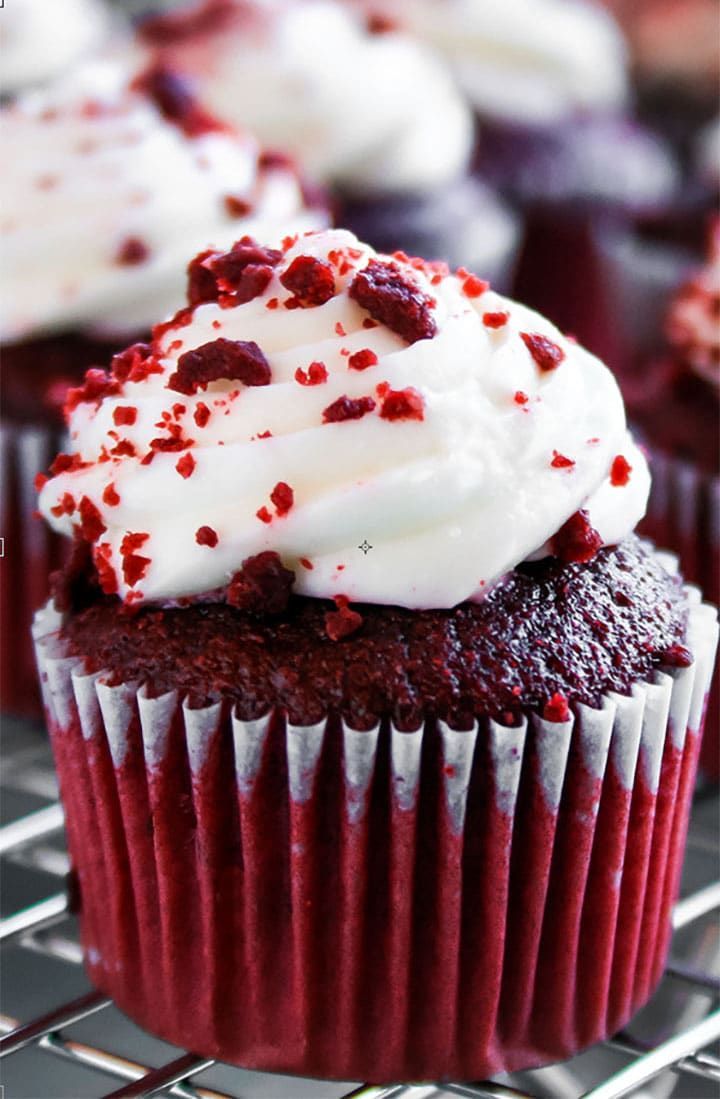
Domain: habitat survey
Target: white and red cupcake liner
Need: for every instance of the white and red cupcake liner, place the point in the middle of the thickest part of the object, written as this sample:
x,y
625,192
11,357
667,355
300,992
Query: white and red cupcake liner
x,y
377,905
30,553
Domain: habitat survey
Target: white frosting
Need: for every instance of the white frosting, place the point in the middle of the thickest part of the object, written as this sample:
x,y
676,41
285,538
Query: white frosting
x,y
364,111
529,61
694,323
449,502
40,39
77,184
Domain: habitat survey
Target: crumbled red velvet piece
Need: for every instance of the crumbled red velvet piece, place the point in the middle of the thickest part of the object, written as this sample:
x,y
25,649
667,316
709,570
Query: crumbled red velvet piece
x,y
379,23
520,397
264,515
403,404
474,287
135,363
262,585
620,471
546,354
65,507
206,536
577,540
282,497
361,360
342,622
132,251
236,360
561,461
91,523
111,496
185,466
315,374
201,284
244,271
66,463
394,298
134,567
556,709
676,656
107,578
496,320
201,415
311,281
96,385
173,98
124,415
347,408
237,207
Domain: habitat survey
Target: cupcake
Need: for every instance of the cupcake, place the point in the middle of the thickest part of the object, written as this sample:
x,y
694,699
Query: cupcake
x,y
40,42
358,647
364,108
549,85
105,182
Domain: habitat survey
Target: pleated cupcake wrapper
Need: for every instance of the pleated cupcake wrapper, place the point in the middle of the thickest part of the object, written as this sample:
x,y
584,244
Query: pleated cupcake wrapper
x,y
31,552
684,515
378,905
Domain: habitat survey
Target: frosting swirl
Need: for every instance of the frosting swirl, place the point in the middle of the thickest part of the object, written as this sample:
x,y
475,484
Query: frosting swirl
x,y
40,41
694,319
324,399
361,110
98,176
529,61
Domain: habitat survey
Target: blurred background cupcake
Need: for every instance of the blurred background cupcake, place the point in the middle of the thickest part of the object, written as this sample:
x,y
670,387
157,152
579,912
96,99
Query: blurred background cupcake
x,y
364,107
106,179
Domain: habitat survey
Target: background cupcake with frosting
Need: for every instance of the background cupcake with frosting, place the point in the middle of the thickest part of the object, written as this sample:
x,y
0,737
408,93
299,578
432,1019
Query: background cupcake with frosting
x,y
108,176
357,619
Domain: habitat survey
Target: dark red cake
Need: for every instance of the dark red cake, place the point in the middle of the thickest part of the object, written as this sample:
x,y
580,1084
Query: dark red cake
x,y
357,647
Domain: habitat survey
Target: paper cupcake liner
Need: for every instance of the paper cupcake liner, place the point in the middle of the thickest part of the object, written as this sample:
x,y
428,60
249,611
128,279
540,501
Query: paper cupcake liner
x,y
31,552
378,905
684,515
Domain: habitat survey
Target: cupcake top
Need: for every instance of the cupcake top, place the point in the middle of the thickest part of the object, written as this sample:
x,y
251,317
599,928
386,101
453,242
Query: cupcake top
x,y
39,40
396,433
534,62
362,110
100,174
694,319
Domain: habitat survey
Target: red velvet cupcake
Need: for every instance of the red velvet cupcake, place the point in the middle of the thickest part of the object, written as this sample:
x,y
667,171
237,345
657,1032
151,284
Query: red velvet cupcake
x,y
357,641
100,174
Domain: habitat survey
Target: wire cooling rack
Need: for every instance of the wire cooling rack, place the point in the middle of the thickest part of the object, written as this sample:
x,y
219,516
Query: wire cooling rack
x,y
672,1057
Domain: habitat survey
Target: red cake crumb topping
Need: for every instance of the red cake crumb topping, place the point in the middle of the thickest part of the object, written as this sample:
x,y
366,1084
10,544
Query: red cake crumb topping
x,y
262,585
132,251
546,354
520,397
110,496
124,415
134,567
107,579
676,656
343,621
41,479
244,271
306,563
315,374
97,385
311,281
378,23
65,507
221,359
473,287
496,320
282,497
403,404
361,360
201,284
66,463
206,536
91,523
237,207
347,408
185,466
560,461
393,298
264,515
620,471
577,540
556,709
201,415
173,98
134,364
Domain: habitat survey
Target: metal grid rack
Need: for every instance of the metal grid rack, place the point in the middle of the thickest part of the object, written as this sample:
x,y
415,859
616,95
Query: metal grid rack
x,y
673,1060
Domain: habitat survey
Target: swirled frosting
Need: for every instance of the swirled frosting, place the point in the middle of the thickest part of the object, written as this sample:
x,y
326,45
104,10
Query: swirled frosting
x,y
694,320
105,184
361,110
526,61
397,433
39,40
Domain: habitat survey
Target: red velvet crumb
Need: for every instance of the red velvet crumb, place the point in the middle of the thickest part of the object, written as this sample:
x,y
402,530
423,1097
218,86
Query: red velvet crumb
x,y
496,320
206,536
315,374
201,415
135,363
342,622
520,397
576,541
264,515
393,298
172,97
106,573
556,709
124,415
185,466
236,360
133,250
282,497
244,271
91,523
110,496
473,287
66,463
97,385
403,404
546,354
620,471
560,461
311,281
347,408
262,585
361,360
237,207
676,656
